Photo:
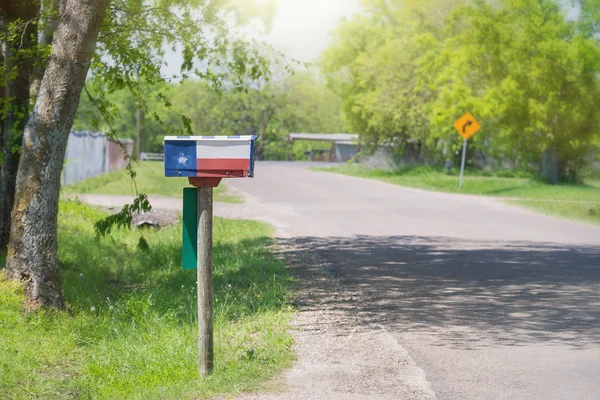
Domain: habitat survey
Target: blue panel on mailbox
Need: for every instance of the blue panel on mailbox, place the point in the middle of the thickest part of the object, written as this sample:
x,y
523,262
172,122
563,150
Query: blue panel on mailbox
x,y
180,158
252,155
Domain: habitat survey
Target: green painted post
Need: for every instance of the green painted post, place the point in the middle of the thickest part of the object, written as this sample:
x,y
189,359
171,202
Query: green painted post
x,y
190,229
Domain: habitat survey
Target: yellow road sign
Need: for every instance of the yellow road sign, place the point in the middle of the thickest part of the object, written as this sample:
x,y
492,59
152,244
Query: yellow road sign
x,y
467,126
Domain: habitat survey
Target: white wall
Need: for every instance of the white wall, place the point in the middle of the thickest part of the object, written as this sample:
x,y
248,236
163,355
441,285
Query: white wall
x,y
86,157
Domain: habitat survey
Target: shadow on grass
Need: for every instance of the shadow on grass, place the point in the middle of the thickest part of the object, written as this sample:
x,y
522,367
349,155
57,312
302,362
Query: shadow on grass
x,y
496,192
542,185
505,294
132,332
247,278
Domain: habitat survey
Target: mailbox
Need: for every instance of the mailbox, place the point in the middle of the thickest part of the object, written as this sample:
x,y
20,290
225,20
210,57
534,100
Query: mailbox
x,y
205,160
213,157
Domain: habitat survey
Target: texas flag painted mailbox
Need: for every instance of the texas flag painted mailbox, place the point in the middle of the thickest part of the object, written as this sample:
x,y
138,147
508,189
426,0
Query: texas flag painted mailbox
x,y
209,157
205,160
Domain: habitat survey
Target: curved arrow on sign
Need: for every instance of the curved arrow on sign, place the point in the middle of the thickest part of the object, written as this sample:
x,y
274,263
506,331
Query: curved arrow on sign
x,y
469,123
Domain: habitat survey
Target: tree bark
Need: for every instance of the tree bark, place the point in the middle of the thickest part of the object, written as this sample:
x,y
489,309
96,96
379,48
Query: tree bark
x,y
32,251
2,78
18,57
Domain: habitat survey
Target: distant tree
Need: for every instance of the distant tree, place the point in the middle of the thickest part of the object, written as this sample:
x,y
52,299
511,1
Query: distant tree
x,y
405,72
290,103
373,65
528,73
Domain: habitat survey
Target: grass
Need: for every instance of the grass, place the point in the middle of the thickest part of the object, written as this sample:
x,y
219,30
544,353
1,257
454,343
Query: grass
x,y
581,202
150,180
132,329
587,211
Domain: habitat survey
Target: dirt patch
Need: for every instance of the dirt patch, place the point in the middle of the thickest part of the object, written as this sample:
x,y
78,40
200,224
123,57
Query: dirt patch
x,y
155,219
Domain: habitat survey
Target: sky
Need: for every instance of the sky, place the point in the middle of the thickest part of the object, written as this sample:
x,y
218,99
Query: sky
x,y
302,28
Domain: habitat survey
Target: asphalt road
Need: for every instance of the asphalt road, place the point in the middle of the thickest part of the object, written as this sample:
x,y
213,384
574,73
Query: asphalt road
x,y
478,299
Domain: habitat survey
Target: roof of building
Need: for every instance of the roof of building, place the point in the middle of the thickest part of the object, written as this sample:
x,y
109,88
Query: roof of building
x,y
324,137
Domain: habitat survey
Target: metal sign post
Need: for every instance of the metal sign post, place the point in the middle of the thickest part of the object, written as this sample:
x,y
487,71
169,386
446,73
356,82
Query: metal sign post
x,y
462,167
466,126
205,160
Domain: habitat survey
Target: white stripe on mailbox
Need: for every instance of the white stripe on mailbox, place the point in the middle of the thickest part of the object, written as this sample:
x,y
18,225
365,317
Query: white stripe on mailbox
x,y
244,138
223,149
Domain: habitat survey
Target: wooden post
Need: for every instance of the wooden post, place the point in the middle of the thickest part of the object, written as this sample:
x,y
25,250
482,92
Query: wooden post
x,y
205,300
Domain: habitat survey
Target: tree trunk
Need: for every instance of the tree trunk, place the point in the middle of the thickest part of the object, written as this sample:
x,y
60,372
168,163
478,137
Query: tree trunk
x,y
18,57
138,131
32,250
2,60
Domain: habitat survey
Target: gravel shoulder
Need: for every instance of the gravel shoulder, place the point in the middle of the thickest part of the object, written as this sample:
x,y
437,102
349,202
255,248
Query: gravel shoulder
x,y
341,355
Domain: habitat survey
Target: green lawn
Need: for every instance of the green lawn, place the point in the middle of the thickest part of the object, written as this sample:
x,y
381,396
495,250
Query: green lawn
x,y
150,180
580,202
131,332
585,211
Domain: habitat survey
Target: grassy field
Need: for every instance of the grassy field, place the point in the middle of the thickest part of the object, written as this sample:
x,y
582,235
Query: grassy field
x,y
580,202
131,332
150,180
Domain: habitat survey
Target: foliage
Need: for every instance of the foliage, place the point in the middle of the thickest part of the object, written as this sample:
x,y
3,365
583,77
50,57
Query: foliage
x,y
136,36
123,219
126,72
297,103
131,331
527,73
373,65
129,56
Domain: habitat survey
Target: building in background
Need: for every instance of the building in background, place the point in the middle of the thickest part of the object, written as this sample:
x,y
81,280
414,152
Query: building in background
x,y
342,146
91,154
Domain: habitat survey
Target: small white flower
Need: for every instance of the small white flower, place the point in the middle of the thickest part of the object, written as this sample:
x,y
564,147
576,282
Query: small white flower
x,y
81,275
110,308
92,308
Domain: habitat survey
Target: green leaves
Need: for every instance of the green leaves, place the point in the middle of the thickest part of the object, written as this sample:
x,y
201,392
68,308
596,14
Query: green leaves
x,y
123,219
136,38
272,109
530,75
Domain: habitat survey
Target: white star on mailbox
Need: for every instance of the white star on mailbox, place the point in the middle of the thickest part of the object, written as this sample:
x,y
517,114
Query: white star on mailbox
x,y
182,160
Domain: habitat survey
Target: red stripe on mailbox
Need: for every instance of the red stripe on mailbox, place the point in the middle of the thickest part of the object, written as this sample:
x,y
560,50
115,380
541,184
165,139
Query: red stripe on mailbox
x,y
223,164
